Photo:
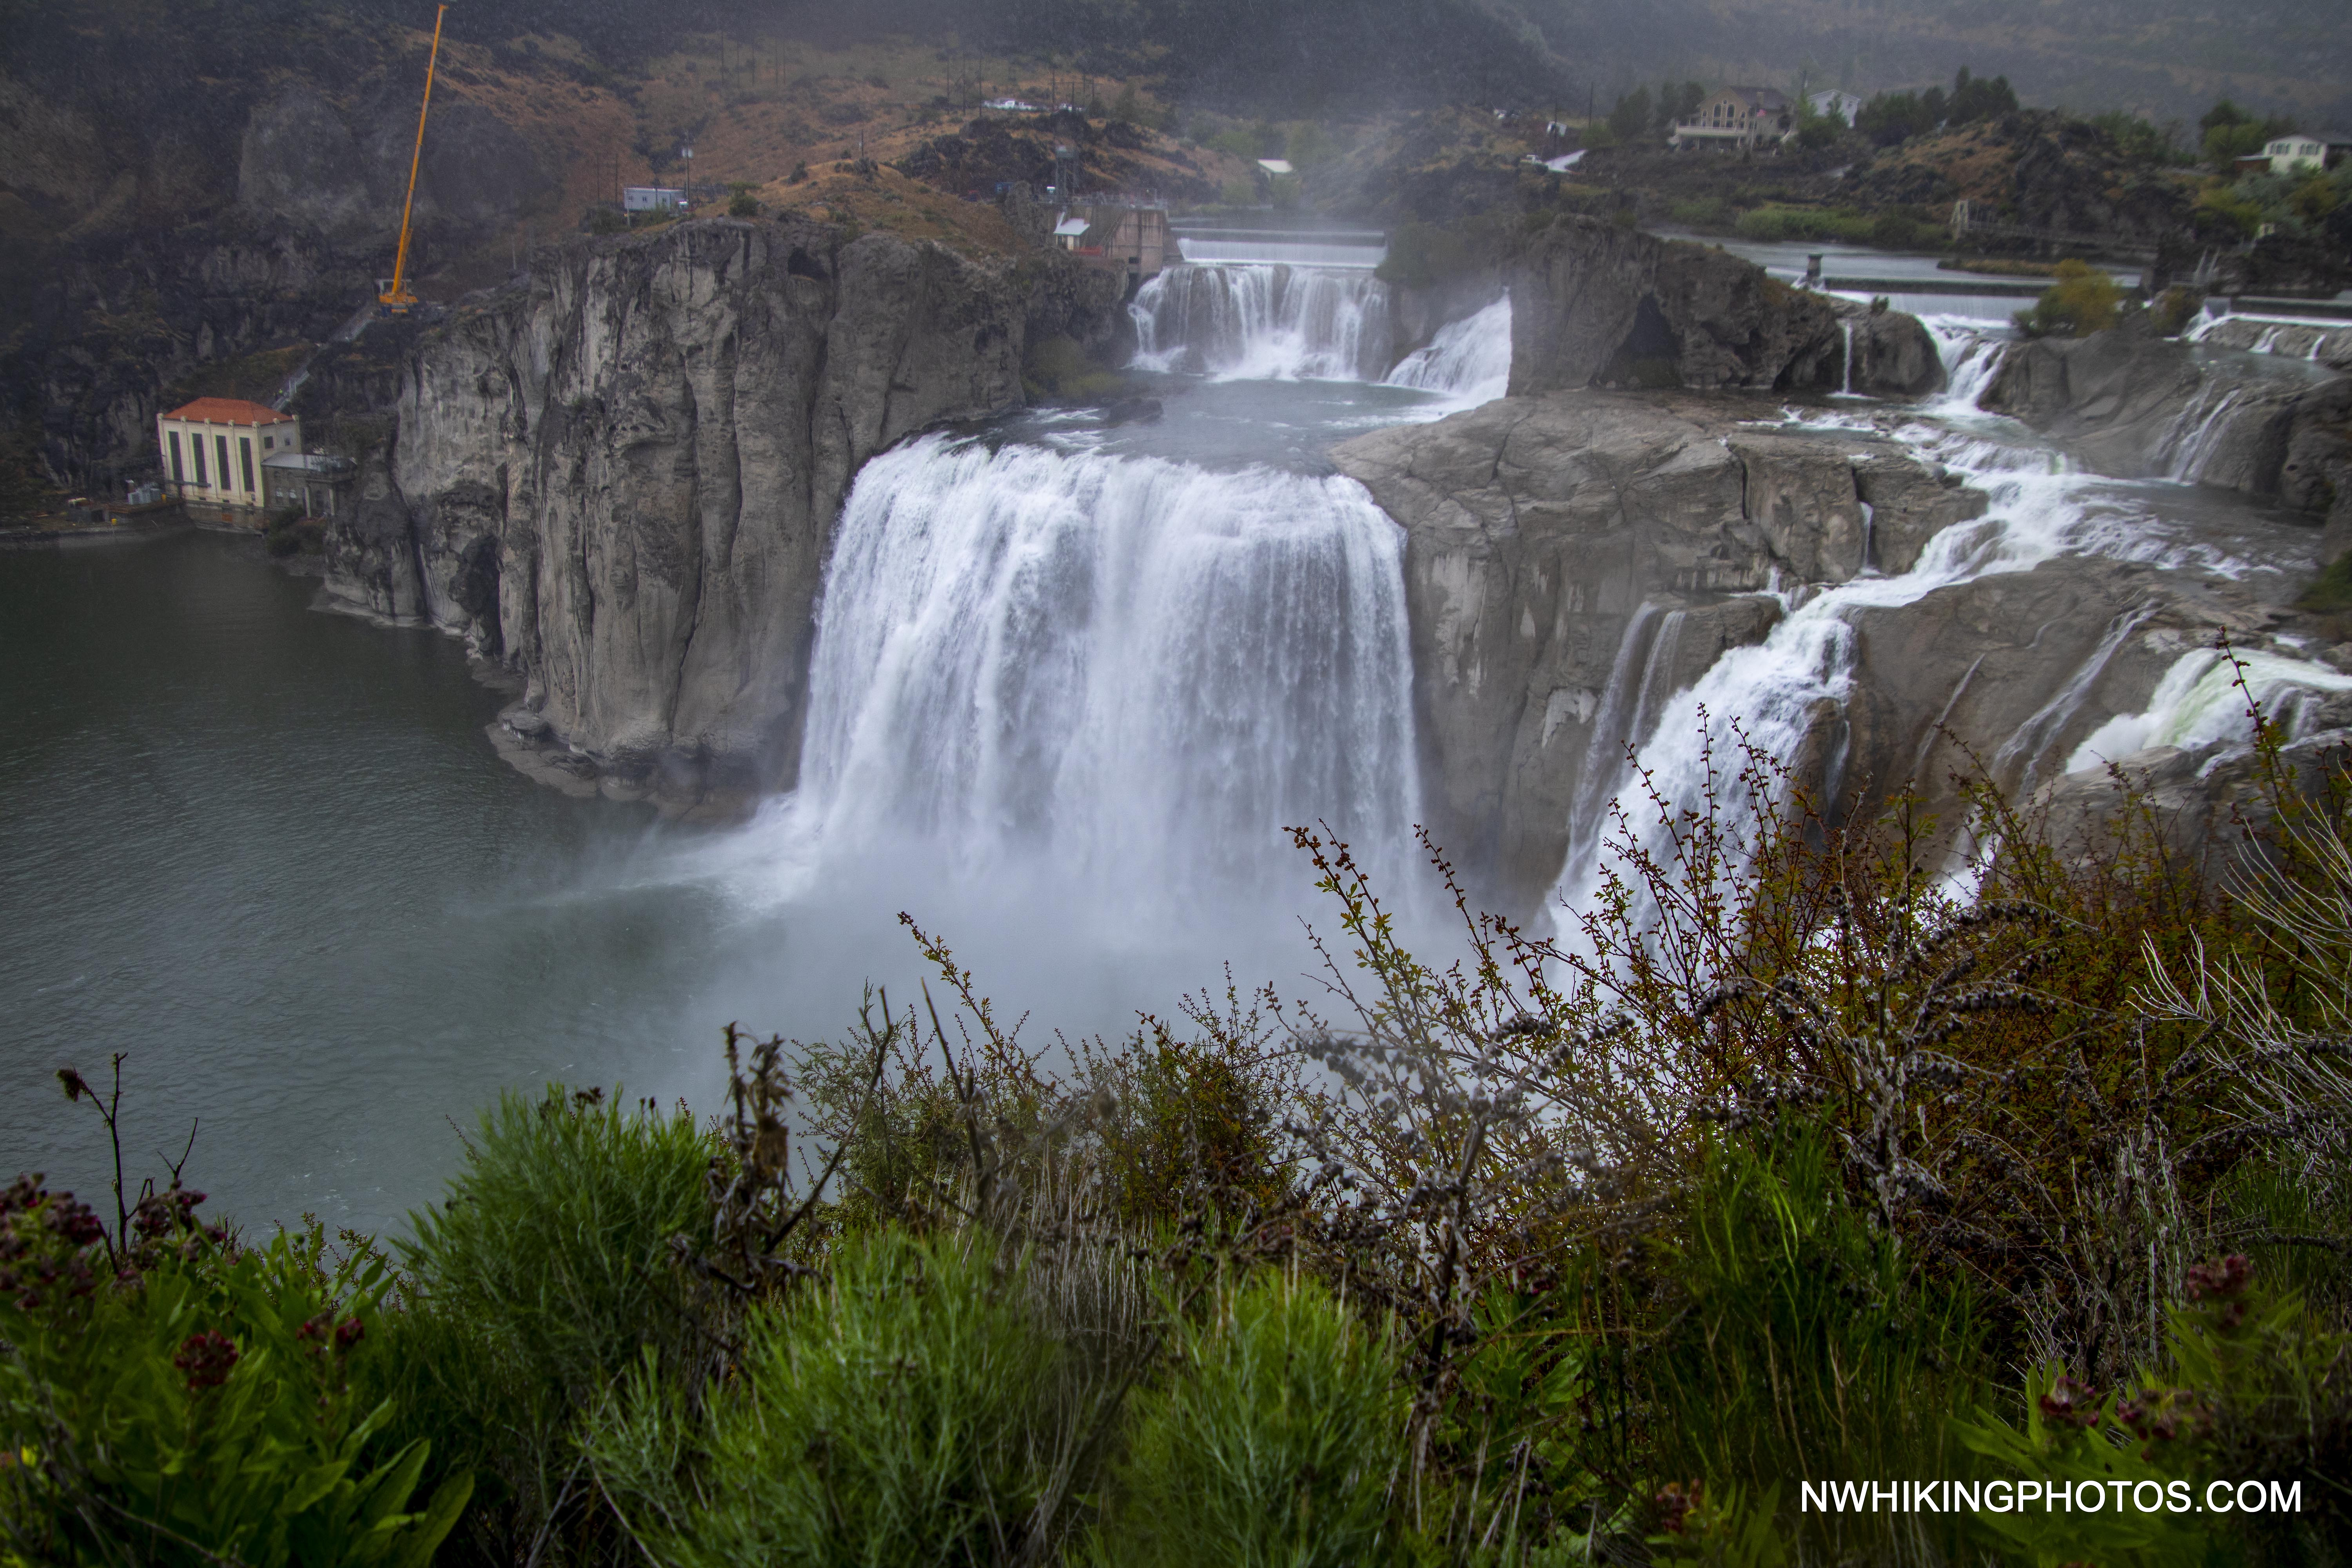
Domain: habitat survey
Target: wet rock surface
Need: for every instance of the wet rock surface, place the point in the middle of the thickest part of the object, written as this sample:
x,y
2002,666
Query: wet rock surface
x,y
1598,304
2136,405
1550,541
619,480
1575,559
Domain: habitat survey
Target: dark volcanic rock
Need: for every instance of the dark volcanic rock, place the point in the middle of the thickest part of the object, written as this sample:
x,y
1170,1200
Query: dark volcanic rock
x,y
2133,405
620,480
1546,536
1595,303
1894,355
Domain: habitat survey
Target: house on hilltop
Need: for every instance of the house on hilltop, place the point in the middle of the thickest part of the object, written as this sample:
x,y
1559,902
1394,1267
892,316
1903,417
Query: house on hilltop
x,y
1739,117
2300,151
1830,103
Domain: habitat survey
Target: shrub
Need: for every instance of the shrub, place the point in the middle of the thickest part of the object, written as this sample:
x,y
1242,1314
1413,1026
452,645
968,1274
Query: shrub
x,y
1274,1442
744,203
899,1414
1784,223
1702,213
2083,300
1421,255
1798,1342
183,1400
545,1275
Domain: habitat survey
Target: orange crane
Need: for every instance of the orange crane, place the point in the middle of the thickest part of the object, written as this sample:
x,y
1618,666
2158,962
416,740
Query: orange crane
x,y
397,299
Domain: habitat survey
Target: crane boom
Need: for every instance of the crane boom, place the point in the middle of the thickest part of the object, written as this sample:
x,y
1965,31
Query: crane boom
x,y
399,297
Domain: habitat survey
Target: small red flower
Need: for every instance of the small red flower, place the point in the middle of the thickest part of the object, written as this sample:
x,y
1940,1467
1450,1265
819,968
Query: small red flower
x,y
2070,1403
348,1333
2228,1278
206,1358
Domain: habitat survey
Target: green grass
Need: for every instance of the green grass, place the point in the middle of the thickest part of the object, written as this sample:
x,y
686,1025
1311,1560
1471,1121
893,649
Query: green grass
x,y
902,1414
1273,1445
547,1272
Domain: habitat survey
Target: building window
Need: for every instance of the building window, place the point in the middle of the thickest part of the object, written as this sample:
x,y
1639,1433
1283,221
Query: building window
x,y
174,439
268,442
245,452
220,446
196,449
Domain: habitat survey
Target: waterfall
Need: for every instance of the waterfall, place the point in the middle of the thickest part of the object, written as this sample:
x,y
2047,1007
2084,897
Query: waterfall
x,y
1847,324
1264,322
1771,697
2189,445
2199,702
1469,360
1628,709
1124,674
1971,358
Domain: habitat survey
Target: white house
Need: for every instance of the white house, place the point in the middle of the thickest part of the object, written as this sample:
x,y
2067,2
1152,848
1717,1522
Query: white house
x,y
652,198
1831,102
212,449
2300,149
1739,117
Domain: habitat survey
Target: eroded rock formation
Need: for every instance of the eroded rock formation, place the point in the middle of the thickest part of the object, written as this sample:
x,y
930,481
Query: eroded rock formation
x,y
1548,537
2136,406
1593,303
619,480
1573,560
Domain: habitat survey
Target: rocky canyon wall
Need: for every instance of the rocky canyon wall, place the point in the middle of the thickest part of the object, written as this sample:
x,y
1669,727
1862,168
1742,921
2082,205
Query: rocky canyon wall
x,y
1596,304
618,480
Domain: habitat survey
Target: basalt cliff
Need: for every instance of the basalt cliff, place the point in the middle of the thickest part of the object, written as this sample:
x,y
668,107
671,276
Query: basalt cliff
x,y
618,480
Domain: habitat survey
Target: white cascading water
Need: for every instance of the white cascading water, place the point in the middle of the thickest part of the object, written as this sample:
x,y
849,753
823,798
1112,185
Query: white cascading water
x,y
1264,322
1116,673
2203,700
2189,447
1468,362
1773,694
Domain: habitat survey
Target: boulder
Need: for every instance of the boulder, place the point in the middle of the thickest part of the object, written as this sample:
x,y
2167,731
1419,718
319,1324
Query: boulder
x,y
1595,303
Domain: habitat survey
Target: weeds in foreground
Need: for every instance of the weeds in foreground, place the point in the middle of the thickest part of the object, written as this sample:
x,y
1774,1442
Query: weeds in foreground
x,y
1802,1161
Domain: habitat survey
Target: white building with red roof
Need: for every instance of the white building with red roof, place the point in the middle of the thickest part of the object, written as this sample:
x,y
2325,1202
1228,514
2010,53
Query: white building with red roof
x,y
212,449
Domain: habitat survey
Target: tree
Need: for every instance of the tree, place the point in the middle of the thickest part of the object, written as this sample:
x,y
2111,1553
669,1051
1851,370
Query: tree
x,y
1631,118
1893,117
2232,133
1677,104
1976,98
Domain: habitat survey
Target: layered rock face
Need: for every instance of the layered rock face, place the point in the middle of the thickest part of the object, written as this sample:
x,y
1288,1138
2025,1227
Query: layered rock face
x,y
620,479
1574,560
1596,304
1566,553
2136,405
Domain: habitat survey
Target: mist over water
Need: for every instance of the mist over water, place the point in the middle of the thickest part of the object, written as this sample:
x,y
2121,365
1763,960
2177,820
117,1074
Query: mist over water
x,y
1072,681
1070,686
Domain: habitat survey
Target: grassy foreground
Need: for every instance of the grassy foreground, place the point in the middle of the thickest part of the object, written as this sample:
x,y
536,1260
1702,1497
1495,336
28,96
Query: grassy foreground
x,y
1804,1165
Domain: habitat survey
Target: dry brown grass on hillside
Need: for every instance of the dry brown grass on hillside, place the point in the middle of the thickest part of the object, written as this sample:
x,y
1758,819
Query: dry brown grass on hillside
x,y
887,200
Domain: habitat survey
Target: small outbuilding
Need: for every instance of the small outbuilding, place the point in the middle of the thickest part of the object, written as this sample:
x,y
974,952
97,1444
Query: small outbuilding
x,y
318,484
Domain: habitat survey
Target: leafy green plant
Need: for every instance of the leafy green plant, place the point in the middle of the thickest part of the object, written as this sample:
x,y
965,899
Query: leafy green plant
x,y
203,1405
546,1274
901,1413
1799,1343
2082,301
1275,1441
